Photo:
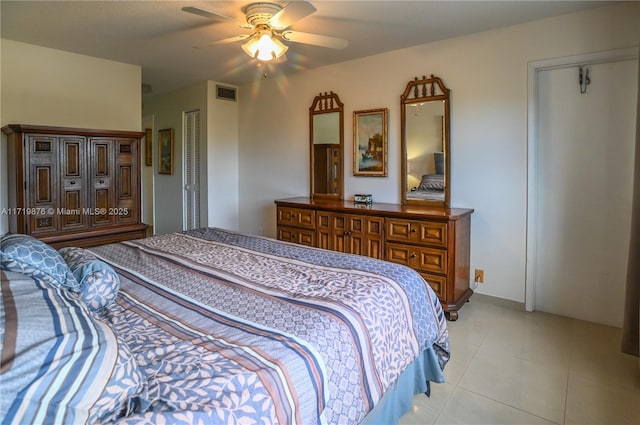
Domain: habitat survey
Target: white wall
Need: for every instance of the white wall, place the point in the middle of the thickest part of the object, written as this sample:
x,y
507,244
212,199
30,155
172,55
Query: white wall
x,y
219,157
222,160
42,86
487,75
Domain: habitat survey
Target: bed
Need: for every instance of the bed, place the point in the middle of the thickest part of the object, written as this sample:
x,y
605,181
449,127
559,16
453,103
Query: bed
x,y
213,326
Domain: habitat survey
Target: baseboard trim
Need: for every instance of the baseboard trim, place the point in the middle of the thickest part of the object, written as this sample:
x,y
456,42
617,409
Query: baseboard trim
x,y
502,302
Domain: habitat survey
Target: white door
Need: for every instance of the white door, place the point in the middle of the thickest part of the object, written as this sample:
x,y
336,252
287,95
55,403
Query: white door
x,y
584,174
191,167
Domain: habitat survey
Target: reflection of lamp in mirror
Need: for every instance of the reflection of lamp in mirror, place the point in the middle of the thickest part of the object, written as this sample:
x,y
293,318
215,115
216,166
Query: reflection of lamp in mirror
x,y
415,168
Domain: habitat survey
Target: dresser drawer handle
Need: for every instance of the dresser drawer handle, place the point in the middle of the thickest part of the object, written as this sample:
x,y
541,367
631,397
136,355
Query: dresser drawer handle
x,y
101,182
72,182
413,255
413,230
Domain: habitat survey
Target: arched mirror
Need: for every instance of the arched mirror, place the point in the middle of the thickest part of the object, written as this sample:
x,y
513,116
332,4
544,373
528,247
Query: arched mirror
x,y
426,153
326,125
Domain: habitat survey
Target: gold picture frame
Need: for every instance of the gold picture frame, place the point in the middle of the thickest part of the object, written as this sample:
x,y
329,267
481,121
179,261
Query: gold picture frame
x,y
165,151
148,147
370,142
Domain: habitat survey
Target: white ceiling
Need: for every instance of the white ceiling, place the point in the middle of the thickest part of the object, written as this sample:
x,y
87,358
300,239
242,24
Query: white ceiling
x,y
159,37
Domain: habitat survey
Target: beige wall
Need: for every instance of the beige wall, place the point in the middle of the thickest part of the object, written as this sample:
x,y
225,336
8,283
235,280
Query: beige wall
x,y
487,75
42,86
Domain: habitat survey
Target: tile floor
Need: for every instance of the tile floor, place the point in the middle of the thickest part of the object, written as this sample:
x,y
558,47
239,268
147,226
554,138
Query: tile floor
x,y
513,367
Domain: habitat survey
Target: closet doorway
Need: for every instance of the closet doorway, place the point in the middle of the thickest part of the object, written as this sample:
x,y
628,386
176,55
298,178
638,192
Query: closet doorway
x,y
583,183
191,167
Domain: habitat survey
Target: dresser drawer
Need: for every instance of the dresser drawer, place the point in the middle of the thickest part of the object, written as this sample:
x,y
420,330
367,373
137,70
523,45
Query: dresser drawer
x,y
422,259
297,235
437,283
424,232
296,217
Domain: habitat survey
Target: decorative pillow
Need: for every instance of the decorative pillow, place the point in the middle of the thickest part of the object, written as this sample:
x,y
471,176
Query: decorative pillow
x,y
65,366
432,182
99,283
28,255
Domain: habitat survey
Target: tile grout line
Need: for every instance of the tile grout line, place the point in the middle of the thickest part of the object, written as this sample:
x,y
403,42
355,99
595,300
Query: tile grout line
x,y
456,385
510,406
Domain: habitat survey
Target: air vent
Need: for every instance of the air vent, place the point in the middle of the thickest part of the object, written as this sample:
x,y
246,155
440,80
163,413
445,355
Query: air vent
x,y
226,93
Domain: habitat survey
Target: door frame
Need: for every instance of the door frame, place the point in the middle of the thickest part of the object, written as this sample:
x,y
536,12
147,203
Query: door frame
x,y
533,68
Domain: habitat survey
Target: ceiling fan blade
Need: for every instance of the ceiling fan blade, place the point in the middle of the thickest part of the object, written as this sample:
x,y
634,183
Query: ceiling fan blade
x,y
290,14
206,13
224,41
315,39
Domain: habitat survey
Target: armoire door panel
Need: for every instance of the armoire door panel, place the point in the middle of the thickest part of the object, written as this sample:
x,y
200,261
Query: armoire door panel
x,y
126,172
101,209
42,223
125,148
43,185
42,145
72,157
101,159
73,210
125,183
73,198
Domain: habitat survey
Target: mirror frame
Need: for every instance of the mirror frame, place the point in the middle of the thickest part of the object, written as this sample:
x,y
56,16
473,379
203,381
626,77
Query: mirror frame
x,y
324,104
417,91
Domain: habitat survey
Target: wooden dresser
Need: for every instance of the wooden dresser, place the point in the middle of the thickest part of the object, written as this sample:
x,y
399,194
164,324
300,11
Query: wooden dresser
x,y
434,241
74,187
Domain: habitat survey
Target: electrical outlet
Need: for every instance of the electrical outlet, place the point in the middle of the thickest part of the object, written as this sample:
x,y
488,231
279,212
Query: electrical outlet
x,y
479,276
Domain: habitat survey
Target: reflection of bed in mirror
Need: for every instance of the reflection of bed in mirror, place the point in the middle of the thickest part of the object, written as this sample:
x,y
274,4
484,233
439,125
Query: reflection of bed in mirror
x,y
431,187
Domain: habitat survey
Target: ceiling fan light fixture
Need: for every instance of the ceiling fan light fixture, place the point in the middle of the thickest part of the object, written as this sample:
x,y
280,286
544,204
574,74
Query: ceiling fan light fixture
x,y
264,47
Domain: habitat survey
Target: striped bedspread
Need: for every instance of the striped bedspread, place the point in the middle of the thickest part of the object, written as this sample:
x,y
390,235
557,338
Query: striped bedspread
x,y
230,328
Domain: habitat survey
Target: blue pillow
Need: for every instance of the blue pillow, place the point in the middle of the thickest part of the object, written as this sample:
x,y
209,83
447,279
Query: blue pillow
x,y
34,258
99,283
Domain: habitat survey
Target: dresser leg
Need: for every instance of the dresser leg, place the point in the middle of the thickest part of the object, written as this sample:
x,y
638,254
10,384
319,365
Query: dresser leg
x,y
451,315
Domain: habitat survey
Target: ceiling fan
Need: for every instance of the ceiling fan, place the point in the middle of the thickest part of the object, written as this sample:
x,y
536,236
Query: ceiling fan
x,y
268,23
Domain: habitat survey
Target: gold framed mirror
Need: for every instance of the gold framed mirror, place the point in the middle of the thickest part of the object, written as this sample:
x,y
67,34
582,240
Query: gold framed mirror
x,y
426,148
326,135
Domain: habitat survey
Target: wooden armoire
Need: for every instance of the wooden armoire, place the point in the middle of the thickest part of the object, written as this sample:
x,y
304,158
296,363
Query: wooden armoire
x,y
74,187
